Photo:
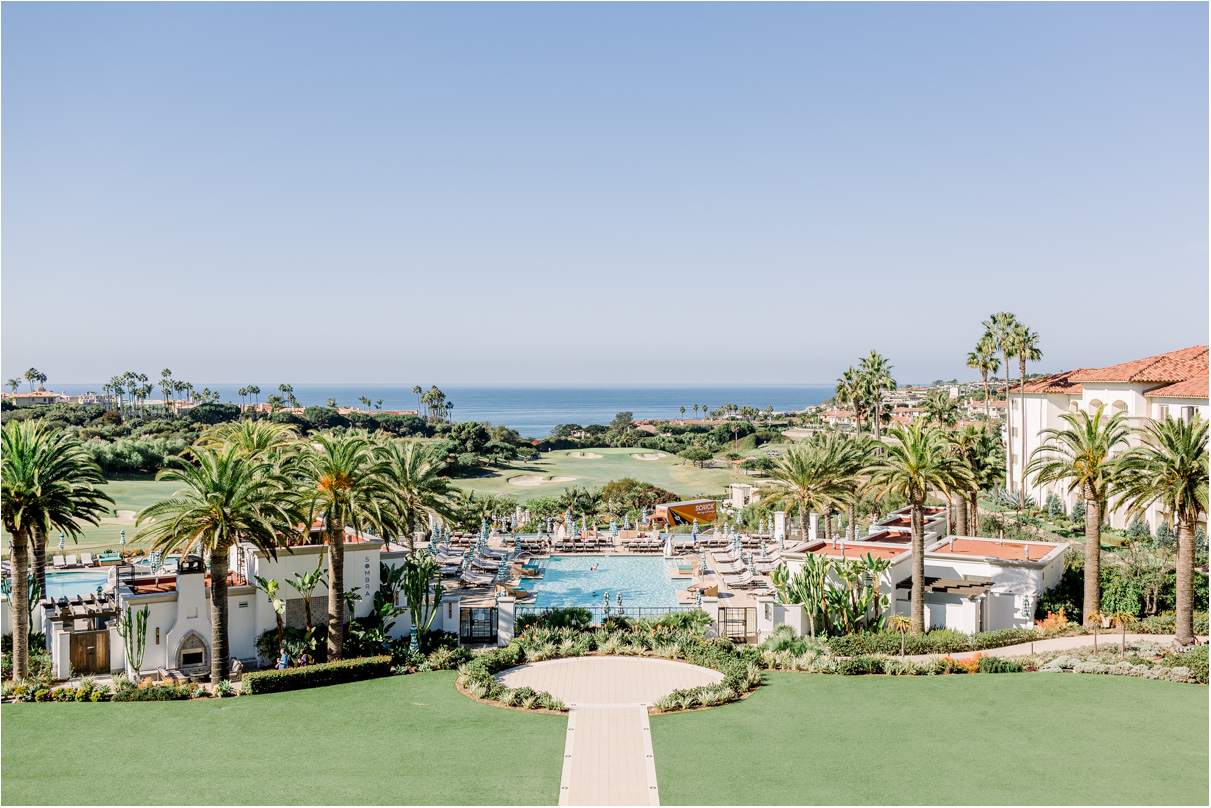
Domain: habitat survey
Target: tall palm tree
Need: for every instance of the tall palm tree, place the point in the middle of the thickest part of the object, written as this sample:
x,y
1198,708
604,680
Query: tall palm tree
x,y
413,470
48,482
854,458
981,451
1171,468
345,479
416,391
998,328
940,407
984,359
15,384
877,371
851,392
807,477
1083,456
1024,344
915,464
227,497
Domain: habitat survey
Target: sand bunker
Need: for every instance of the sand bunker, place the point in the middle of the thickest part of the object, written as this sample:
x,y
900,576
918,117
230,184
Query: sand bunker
x,y
647,456
122,518
585,455
531,480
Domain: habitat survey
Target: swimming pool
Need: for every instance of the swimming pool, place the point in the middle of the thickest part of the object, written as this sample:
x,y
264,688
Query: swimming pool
x,y
61,584
569,581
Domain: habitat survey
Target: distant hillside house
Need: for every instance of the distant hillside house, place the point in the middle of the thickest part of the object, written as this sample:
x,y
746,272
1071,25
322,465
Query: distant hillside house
x,y
39,396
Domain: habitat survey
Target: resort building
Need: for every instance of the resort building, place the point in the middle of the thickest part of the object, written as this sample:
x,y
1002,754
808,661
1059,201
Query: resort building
x,y
1171,385
36,397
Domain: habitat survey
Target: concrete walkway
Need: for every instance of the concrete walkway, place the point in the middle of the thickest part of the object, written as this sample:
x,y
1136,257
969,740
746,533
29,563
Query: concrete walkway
x,y
1109,639
608,758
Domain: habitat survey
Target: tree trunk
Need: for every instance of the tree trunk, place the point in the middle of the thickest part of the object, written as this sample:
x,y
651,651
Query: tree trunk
x,y
987,405
827,521
1022,398
1008,427
1093,556
220,650
805,521
19,601
918,567
336,591
962,519
1184,629
853,520
952,515
878,412
40,562
973,514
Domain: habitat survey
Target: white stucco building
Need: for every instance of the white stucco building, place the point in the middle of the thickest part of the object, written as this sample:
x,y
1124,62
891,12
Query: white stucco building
x,y
1171,385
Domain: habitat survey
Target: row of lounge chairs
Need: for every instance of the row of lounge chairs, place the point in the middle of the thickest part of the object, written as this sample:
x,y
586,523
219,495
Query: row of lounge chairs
x,y
644,545
85,560
581,544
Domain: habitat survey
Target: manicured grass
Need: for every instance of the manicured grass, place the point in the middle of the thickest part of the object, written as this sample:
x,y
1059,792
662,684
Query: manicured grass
x,y
669,472
404,740
1020,739
128,495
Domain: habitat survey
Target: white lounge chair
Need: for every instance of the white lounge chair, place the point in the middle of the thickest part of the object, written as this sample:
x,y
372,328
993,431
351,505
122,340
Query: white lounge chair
x,y
474,579
71,561
58,563
86,559
743,581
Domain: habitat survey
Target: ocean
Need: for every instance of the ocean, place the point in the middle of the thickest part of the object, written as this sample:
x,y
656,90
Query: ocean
x,y
535,410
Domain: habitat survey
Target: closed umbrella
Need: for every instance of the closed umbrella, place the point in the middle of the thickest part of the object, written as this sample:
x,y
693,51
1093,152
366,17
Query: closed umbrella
x,y
61,541
122,539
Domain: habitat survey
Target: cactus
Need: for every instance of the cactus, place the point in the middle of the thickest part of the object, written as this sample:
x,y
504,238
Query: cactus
x,y
133,632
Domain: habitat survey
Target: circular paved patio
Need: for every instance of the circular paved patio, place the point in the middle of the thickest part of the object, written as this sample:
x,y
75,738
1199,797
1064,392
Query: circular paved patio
x,y
609,680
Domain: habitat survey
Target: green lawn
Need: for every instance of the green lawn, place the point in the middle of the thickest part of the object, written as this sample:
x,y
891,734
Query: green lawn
x,y
669,472
128,495
410,740
1029,739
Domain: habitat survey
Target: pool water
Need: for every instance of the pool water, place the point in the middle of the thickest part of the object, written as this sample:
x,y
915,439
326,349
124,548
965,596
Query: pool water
x,y
569,581
61,584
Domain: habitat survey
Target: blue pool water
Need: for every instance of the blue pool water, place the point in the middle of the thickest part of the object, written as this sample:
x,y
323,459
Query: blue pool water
x,y
568,581
60,584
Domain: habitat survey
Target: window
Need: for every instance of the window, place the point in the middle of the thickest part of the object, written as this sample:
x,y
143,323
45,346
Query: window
x,y
1162,412
1188,414
191,659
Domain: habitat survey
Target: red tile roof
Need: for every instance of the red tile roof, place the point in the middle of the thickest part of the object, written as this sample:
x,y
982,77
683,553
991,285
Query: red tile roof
x,y
1195,387
1176,366
1056,383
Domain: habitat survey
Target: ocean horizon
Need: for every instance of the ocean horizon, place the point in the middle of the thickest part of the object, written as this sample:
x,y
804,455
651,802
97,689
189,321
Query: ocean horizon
x,y
534,410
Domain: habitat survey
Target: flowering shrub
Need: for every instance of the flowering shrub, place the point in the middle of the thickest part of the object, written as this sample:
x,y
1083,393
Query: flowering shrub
x,y
970,664
1053,623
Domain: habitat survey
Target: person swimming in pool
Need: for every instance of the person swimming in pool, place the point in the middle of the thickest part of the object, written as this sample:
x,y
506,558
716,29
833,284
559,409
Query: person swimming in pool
x,y
594,569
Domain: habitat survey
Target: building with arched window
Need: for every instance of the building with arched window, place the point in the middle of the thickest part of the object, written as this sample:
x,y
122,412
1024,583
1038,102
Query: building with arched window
x,y
1171,385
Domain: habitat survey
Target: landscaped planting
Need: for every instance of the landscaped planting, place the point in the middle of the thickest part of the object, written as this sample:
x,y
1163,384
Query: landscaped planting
x,y
739,664
326,673
938,641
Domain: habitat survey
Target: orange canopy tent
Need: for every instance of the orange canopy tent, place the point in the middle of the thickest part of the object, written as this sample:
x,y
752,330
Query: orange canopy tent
x,y
684,513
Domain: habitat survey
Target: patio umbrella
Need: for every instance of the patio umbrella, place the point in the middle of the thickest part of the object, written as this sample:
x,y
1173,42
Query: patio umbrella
x,y
122,540
697,597
550,525
583,525
761,525
694,527
502,572
61,541
781,541
702,563
626,521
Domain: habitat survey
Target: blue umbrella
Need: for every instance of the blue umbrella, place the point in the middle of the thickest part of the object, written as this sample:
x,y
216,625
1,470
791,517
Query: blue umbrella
x,y
61,541
122,540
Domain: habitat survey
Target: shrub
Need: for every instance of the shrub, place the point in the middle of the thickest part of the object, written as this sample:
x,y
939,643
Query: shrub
x,y
327,673
938,641
148,690
1195,660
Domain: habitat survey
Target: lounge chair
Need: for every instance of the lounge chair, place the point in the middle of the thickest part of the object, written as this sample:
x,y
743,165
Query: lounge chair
x,y
730,567
474,579
744,581
484,563
726,555
86,559
58,563
71,561
767,565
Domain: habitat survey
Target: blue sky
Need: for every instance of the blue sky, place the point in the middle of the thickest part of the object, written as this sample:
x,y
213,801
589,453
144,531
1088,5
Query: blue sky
x,y
596,193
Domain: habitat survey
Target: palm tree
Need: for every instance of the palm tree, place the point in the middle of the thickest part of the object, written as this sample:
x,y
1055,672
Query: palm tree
x,y
998,329
48,482
414,473
365,402
915,464
227,497
981,451
1171,468
984,359
901,623
416,391
346,480
14,384
695,406
32,375
851,392
682,409
305,583
1024,344
254,439
808,478
331,403
940,407
1082,455
877,371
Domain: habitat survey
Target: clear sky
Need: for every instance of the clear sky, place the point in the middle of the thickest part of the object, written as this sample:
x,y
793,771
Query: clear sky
x,y
596,193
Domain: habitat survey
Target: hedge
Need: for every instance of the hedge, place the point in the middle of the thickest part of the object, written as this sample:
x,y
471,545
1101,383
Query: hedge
x,y
941,641
326,673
